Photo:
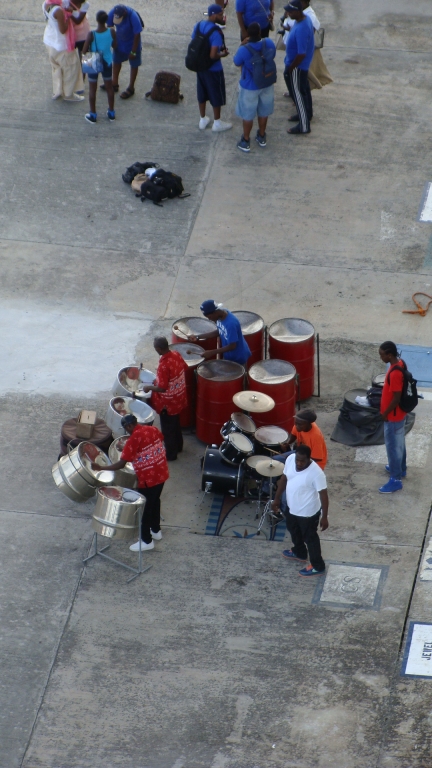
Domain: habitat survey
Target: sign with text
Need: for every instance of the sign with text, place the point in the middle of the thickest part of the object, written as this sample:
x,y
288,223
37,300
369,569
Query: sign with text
x,y
417,660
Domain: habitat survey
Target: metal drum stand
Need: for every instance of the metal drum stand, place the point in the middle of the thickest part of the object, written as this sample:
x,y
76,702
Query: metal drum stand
x,y
269,468
101,553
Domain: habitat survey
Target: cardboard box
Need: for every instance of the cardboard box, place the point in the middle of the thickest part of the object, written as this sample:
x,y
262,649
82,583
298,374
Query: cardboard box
x,y
85,424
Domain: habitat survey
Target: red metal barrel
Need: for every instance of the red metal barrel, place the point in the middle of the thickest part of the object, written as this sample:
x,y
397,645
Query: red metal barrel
x,y
217,383
293,340
192,355
194,326
253,330
276,378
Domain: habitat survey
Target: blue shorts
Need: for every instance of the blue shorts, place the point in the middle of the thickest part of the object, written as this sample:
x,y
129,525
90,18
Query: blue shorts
x,y
211,87
253,103
120,56
106,74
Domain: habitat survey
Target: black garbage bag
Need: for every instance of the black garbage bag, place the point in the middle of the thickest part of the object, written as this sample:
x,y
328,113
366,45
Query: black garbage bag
x,y
361,425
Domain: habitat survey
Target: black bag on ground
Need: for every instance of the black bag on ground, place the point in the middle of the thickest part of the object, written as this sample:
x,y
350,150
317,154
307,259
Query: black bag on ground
x,y
374,396
409,397
135,169
198,52
170,181
153,192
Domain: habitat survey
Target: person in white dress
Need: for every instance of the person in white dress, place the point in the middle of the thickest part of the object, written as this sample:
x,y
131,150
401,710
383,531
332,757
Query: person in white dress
x,y
59,39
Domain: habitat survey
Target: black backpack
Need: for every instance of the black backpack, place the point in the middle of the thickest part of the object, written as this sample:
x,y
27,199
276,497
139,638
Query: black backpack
x,y
153,192
409,398
198,52
162,185
135,169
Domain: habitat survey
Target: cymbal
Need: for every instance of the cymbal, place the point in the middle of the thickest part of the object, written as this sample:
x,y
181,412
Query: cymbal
x,y
252,461
270,468
255,402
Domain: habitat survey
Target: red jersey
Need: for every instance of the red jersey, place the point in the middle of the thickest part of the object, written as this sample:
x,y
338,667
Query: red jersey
x,y
393,383
170,375
146,450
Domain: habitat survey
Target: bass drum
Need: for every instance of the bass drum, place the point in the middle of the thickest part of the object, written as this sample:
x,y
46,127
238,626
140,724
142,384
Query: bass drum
x,y
223,477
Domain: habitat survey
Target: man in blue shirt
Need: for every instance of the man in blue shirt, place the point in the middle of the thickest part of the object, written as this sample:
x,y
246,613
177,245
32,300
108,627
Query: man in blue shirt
x,y
211,82
234,347
253,101
250,11
128,26
299,54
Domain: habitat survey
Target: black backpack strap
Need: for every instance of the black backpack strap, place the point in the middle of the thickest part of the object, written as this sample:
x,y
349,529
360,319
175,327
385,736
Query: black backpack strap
x,y
397,368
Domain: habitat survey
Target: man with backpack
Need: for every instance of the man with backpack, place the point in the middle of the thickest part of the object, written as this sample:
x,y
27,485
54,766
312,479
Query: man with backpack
x,y
256,88
399,397
204,55
129,25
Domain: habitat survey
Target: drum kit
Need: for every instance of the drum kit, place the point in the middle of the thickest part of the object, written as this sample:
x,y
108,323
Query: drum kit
x,y
245,455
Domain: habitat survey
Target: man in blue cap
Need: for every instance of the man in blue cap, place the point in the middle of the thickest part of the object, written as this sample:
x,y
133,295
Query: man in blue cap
x,y
211,82
129,25
234,347
300,49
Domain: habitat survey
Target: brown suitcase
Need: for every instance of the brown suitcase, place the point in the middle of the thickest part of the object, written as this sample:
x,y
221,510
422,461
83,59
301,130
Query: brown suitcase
x,y
166,87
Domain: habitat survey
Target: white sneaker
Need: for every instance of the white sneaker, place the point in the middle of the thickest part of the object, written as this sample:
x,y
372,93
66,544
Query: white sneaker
x,y
135,547
220,125
156,536
75,97
203,123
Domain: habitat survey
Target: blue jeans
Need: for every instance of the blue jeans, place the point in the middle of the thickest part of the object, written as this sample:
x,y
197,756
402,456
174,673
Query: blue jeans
x,y
394,438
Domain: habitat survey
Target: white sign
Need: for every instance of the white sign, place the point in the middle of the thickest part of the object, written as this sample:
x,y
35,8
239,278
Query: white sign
x,y
351,585
418,654
425,210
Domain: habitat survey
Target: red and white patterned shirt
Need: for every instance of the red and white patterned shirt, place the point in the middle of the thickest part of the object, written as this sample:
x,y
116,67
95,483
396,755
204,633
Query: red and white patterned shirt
x,y
170,375
146,450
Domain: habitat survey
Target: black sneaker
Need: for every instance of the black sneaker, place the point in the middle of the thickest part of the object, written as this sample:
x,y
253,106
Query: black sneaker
x,y
261,140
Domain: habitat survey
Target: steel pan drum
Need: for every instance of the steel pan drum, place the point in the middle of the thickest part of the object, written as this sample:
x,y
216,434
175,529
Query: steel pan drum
x,y
253,330
192,355
126,477
222,476
116,513
132,379
121,406
238,422
236,448
275,378
74,476
293,339
194,326
379,379
217,382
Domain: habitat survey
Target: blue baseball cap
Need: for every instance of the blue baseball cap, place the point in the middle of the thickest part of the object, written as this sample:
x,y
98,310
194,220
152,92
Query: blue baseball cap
x,y
294,5
213,9
209,306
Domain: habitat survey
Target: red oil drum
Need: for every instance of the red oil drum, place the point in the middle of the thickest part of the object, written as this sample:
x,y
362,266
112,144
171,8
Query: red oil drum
x,y
217,383
293,340
253,330
192,355
276,378
194,326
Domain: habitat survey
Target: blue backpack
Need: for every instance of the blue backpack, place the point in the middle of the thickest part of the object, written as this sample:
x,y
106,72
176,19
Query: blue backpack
x,y
263,66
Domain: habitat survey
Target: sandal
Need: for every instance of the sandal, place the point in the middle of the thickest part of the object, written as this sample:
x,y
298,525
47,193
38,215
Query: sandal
x,y
103,87
127,93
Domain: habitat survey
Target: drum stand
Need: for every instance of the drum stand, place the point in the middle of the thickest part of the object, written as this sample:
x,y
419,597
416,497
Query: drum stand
x,y
268,512
100,552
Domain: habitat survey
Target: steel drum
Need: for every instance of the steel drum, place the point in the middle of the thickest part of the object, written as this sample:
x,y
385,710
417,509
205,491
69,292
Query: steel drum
x,y
238,422
133,379
121,406
253,330
116,513
275,378
219,476
293,339
126,477
192,355
217,382
74,476
194,326
236,448
379,380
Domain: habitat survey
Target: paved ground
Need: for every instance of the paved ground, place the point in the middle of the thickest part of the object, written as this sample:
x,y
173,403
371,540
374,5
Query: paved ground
x,y
219,656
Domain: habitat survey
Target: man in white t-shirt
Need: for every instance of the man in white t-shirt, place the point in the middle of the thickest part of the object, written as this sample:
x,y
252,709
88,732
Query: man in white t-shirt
x,y
307,498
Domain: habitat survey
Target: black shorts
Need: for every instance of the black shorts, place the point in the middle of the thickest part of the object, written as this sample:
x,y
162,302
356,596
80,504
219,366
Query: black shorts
x,y
211,87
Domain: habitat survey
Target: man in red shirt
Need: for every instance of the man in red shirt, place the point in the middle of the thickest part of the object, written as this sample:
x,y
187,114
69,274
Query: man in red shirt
x,y
146,451
394,418
169,395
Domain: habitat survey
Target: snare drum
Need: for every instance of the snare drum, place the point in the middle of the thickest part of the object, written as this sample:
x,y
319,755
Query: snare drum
x,y
222,477
236,448
238,422
270,438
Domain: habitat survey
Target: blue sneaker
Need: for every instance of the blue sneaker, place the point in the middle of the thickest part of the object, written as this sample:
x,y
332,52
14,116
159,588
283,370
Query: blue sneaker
x,y
244,145
261,140
309,571
91,117
289,554
111,115
392,486
387,468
